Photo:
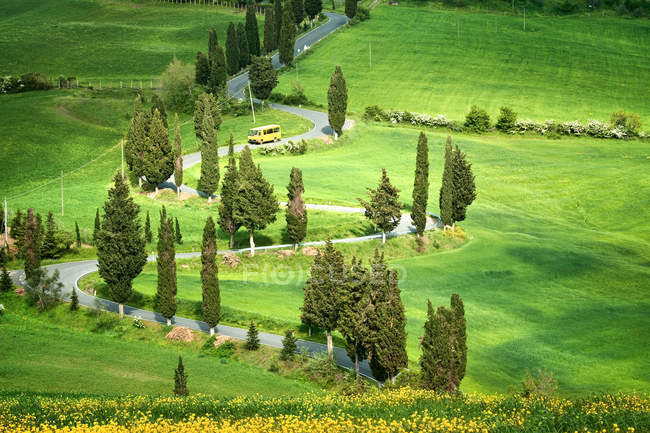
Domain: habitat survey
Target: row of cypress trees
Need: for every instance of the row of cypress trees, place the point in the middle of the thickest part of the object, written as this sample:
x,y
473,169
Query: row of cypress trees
x,y
458,190
211,70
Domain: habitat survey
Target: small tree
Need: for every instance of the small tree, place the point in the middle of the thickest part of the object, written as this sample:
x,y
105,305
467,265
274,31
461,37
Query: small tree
x,y
32,253
244,53
298,9
350,8
477,120
289,346
252,337
384,206
296,214
277,19
18,227
202,69
74,300
177,232
178,83
77,234
148,235
44,291
166,261
269,31
211,305
229,191
180,379
447,187
313,8
159,157
628,121
506,120
252,31
209,180
232,50
464,192
5,280
178,157
421,186
98,227
263,77
206,108
337,102
49,246
287,38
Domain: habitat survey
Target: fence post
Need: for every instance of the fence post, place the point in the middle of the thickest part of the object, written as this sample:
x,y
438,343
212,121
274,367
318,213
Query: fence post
x,y
77,86
120,84
132,84
151,84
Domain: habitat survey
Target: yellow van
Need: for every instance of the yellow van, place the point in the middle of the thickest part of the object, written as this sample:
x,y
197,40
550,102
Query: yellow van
x,y
263,134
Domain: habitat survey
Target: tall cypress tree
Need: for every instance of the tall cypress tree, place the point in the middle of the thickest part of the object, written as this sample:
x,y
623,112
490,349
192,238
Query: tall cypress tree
x,y
77,234
222,73
464,188
447,187
148,234
120,245
206,106
308,310
313,8
135,146
229,190
49,245
32,249
337,101
434,359
202,69
296,215
212,44
252,31
166,260
277,18
298,9
18,226
325,280
211,305
178,236
178,157
158,104
350,8
209,180
459,344
384,206
244,53
269,31
232,50
98,227
159,158
287,38
180,379
421,186
255,205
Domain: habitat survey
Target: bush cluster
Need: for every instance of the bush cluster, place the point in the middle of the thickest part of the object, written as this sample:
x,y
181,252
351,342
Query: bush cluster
x,y
298,148
362,14
24,83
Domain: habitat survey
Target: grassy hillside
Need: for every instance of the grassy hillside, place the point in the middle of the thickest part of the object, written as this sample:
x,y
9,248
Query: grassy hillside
x,y
64,352
562,68
104,39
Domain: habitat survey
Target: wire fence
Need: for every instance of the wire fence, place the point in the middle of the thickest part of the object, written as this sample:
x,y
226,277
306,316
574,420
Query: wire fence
x,y
75,83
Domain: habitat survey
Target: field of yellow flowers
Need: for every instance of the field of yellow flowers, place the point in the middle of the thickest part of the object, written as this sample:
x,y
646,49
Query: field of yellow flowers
x,y
399,410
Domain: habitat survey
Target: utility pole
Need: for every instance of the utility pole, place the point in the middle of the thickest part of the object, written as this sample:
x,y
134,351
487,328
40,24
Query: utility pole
x,y
250,95
6,231
62,193
122,143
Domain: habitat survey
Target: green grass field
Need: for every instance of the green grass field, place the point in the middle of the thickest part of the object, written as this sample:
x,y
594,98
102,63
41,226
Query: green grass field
x,y
103,39
562,68
62,352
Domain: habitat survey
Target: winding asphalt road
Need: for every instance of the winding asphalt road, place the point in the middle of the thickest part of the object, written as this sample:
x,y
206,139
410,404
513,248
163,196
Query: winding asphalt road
x,y
72,272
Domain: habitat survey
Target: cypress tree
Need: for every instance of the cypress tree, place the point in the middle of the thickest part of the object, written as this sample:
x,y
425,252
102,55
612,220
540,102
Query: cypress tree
x,y
166,261
18,226
350,8
464,188
32,246
384,206
120,244
218,73
77,234
158,104
148,235
206,106
308,311
356,310
202,69
296,215
326,277
298,8
255,205
74,300
213,42
49,247
447,187
229,190
232,50
98,227
263,77
287,38
269,31
421,186
378,291
252,31
313,8
177,233
277,18
252,337
135,145
289,346
178,158
5,279
209,180
337,102
459,347
180,379
434,351
159,158
244,54
390,340
211,305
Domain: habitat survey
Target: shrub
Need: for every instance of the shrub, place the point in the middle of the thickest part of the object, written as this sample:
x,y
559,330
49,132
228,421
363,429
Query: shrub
x,y
284,148
543,384
288,346
374,112
226,350
106,322
178,86
137,322
477,120
274,367
629,122
506,120
363,13
44,291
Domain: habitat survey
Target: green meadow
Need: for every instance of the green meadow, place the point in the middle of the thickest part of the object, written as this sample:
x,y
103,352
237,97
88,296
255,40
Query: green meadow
x,y
436,61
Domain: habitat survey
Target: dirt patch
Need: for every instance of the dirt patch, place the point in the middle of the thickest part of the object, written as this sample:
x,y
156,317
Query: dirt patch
x,y
230,259
326,138
222,339
310,251
19,291
285,253
180,333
